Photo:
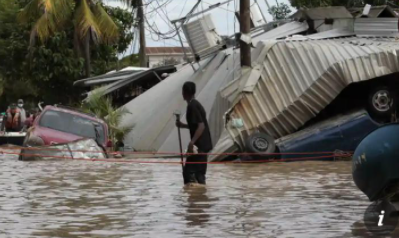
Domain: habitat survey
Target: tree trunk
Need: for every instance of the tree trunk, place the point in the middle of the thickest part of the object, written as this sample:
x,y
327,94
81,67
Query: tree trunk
x,y
87,54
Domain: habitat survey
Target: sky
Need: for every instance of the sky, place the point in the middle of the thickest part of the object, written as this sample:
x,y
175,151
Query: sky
x,y
223,17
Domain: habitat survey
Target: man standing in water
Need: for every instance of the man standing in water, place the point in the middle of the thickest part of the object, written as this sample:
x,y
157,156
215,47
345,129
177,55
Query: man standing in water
x,y
200,136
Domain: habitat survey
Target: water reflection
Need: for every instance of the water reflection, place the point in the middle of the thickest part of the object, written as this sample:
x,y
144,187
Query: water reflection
x,y
90,199
197,204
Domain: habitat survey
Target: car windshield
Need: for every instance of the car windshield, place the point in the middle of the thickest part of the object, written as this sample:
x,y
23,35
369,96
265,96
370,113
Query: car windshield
x,y
74,124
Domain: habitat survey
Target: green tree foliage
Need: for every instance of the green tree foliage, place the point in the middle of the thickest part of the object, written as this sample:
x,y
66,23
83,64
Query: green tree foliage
x,y
105,55
13,51
324,3
90,21
103,108
46,72
280,12
130,60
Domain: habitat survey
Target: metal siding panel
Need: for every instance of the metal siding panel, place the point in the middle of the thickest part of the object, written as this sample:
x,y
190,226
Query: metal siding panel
x,y
334,33
376,26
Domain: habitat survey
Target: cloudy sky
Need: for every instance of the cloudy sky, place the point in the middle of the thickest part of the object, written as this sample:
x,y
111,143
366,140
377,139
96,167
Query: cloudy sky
x,y
223,17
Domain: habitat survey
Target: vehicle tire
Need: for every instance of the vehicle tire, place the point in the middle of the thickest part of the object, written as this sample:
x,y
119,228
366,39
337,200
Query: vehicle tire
x,y
34,141
260,143
24,144
382,102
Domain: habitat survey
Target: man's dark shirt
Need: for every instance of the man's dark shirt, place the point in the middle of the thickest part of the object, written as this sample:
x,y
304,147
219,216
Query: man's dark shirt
x,y
196,114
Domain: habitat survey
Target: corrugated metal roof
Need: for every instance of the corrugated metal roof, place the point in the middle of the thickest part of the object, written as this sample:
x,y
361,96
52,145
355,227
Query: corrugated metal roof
x,y
152,111
166,50
106,80
376,27
108,77
321,13
221,70
335,33
136,77
375,11
285,30
295,80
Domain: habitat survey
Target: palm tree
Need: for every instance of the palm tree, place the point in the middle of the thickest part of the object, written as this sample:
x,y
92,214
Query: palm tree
x,y
91,23
103,108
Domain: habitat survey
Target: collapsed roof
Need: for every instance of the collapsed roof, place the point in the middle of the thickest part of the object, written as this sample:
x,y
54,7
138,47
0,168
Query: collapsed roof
x,y
375,12
152,112
321,13
291,80
340,12
153,74
109,77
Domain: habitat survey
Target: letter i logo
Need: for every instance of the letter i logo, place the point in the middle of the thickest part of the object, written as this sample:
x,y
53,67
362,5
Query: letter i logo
x,y
381,218
378,218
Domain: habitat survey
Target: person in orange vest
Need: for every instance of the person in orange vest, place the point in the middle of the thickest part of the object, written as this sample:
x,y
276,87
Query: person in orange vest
x,y
13,118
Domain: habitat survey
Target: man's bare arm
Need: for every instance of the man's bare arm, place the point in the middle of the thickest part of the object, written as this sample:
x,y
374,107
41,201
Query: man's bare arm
x,y
198,132
181,125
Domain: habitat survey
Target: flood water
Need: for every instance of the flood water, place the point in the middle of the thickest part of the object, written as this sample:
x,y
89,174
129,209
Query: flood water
x,y
98,199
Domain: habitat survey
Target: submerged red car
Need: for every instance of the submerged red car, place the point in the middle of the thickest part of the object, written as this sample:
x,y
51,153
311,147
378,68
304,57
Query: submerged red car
x,y
58,124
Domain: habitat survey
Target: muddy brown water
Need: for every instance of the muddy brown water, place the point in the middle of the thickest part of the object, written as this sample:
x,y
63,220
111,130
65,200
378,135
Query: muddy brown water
x,y
96,199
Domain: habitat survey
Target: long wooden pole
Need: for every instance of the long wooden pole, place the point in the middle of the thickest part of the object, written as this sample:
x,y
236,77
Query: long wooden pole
x,y
181,149
245,28
177,115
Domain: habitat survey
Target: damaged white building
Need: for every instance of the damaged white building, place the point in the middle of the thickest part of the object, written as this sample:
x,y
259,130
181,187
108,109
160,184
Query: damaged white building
x,y
298,69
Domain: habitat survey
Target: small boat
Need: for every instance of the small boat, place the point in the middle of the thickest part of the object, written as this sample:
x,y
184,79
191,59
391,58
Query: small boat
x,y
10,138
13,138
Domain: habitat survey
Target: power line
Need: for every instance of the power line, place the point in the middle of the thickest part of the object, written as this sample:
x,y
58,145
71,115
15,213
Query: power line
x,y
161,35
228,10
172,33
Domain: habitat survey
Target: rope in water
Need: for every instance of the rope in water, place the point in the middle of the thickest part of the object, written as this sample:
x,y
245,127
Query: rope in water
x,y
178,153
136,161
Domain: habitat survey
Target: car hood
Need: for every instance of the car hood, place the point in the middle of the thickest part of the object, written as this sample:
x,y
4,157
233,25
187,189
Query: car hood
x,y
51,136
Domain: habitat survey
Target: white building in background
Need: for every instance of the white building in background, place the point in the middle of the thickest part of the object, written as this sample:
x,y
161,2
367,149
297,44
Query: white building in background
x,y
158,56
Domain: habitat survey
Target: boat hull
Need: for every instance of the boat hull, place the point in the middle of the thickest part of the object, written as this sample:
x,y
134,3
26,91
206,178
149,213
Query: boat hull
x,y
12,138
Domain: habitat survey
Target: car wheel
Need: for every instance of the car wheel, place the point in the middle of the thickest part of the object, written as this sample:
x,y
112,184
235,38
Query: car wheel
x,y
382,102
26,140
34,141
261,144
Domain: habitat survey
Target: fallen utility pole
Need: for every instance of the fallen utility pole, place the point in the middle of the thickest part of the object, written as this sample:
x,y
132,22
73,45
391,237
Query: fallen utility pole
x,y
245,29
142,53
